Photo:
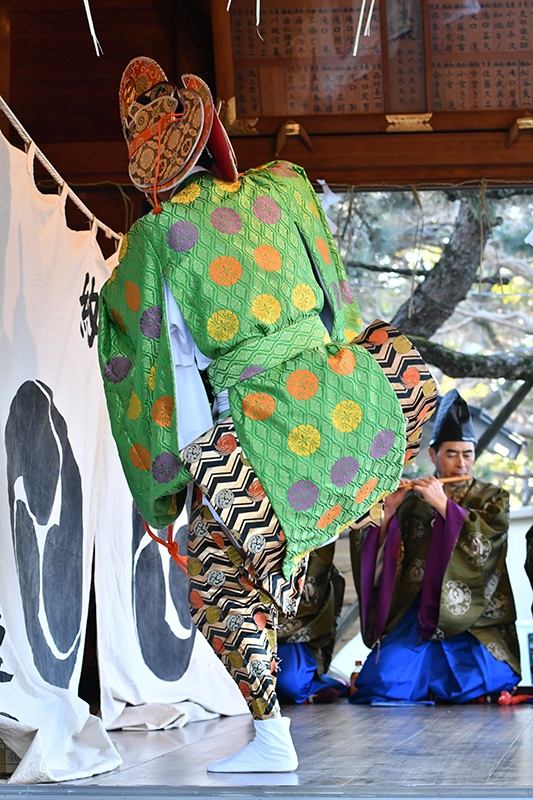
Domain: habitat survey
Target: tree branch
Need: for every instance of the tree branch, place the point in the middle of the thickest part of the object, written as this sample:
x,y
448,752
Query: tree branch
x,y
448,283
492,279
518,266
375,268
486,316
513,366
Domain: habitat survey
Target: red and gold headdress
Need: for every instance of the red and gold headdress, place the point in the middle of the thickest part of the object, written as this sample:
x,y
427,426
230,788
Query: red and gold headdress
x,y
167,128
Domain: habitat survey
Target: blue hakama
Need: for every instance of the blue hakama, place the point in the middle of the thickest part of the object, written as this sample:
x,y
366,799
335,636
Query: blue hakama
x,y
406,668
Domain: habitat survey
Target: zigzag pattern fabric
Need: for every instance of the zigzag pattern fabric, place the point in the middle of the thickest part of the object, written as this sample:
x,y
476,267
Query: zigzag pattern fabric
x,y
413,385
408,375
220,468
233,609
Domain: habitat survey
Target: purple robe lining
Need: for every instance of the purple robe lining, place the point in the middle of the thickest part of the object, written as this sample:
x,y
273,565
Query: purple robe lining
x,y
369,553
444,536
388,576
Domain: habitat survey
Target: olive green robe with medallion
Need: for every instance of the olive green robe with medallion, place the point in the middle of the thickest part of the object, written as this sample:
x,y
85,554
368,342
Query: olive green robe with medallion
x,y
476,593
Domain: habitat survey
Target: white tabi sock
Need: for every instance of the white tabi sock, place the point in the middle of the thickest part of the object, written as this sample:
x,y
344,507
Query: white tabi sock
x,y
271,750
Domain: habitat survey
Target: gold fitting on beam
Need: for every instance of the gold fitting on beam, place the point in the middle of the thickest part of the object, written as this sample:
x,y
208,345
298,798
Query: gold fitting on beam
x,y
291,128
523,123
408,123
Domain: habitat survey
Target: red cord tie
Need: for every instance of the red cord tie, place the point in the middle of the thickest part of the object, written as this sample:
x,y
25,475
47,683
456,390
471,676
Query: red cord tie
x,y
168,118
508,699
171,545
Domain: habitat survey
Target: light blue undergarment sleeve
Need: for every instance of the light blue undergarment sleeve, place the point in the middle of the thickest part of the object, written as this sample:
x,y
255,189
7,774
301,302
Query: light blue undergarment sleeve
x,y
192,404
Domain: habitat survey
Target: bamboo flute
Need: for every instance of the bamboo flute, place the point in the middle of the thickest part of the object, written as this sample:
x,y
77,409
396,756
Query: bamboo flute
x,y
455,479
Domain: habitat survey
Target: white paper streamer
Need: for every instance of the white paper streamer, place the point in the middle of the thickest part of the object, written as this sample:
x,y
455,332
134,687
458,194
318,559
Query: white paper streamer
x,y
328,198
369,19
97,45
359,26
257,15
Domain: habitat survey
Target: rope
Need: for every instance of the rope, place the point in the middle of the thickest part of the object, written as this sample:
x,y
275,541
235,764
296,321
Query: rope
x,y
25,136
481,200
168,119
171,545
483,196
419,235
471,184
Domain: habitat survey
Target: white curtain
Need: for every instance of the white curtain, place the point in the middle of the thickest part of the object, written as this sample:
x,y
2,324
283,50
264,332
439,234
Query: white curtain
x,y
62,494
149,652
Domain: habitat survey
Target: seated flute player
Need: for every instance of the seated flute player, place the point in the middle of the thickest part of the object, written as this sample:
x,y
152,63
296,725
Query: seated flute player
x,y
233,284
436,603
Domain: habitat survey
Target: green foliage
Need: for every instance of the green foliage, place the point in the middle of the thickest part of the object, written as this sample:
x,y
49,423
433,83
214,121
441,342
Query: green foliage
x,y
514,475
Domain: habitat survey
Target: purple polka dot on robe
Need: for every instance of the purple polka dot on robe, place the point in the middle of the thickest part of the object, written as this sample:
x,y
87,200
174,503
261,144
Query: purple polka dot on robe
x,y
250,372
150,322
346,292
165,467
226,220
182,236
336,294
117,369
381,444
302,495
344,470
267,210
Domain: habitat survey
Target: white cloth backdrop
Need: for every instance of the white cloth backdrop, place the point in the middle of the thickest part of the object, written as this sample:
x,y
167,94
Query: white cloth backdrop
x,y
61,493
148,649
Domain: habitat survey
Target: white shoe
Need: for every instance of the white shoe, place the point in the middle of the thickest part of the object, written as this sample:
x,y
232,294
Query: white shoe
x,y
271,750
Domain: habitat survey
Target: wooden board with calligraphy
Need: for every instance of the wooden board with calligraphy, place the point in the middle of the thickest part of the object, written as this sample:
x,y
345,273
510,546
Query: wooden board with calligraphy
x,y
481,54
302,62
438,55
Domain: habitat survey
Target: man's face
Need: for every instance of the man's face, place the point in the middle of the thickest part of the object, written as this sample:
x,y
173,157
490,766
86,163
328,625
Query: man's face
x,y
453,459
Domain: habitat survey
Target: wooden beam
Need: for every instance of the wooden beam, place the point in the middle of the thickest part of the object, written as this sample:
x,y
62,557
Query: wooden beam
x,y
364,160
225,89
88,162
399,159
5,58
452,121
385,56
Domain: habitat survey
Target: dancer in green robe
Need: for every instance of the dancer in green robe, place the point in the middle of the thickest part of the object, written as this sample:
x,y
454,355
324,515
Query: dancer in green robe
x,y
239,276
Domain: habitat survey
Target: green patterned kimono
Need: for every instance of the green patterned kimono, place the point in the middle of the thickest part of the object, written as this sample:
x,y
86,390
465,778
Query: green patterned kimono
x,y
475,594
316,416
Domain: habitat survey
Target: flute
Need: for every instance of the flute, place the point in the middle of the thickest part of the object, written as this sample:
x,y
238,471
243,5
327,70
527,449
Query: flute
x,y
455,479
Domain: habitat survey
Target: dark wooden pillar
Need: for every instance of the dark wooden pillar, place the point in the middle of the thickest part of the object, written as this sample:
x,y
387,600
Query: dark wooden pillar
x,y
5,58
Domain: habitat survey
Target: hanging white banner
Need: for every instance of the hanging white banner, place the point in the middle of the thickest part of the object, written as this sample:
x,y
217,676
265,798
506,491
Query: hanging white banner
x,y
51,420
62,492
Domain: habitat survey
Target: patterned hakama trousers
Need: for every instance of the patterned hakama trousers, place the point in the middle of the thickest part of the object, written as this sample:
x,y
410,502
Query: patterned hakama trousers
x,y
235,596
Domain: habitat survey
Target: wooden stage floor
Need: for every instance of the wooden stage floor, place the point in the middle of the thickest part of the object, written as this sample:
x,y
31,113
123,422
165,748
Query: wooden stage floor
x,y
350,751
